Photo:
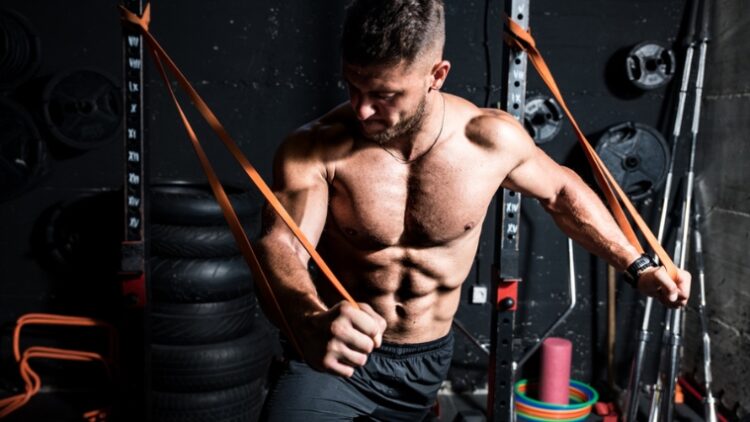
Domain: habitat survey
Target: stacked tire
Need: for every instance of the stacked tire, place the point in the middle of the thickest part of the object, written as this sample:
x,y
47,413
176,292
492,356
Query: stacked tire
x,y
209,358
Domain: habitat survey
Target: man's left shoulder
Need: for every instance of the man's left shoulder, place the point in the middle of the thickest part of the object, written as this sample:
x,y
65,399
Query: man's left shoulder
x,y
493,128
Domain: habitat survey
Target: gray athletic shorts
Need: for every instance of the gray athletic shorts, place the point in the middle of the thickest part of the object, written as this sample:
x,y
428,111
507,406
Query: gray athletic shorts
x,y
399,382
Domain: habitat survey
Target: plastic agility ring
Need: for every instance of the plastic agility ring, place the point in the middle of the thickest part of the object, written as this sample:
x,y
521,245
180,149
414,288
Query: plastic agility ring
x,y
582,397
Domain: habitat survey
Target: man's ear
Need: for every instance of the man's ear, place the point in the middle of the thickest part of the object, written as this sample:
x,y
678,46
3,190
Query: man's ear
x,y
439,73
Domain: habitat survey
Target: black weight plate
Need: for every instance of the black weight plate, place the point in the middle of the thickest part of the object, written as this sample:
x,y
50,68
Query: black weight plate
x,y
20,51
23,154
82,108
637,156
542,118
650,65
81,236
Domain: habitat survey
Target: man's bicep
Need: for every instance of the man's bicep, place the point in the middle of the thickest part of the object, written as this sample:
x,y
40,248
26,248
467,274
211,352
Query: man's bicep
x,y
535,174
301,187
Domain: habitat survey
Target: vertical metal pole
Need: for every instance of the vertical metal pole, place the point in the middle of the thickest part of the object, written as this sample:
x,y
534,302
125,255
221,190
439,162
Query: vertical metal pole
x,y
676,339
501,371
658,390
611,325
710,401
644,335
507,274
654,413
133,269
133,250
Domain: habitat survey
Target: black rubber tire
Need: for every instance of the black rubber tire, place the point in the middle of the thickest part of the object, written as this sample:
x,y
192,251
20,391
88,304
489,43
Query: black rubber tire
x,y
201,323
199,280
195,241
212,366
237,404
193,204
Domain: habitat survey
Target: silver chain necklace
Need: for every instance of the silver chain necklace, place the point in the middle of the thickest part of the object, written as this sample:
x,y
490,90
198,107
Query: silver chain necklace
x,y
427,151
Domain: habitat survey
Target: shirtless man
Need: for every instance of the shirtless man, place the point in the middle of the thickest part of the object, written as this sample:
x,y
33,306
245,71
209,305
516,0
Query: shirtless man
x,y
393,187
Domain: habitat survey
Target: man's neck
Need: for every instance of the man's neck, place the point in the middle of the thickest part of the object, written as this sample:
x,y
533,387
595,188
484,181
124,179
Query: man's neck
x,y
418,142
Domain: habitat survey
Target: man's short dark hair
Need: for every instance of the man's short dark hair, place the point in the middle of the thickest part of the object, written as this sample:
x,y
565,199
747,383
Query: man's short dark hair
x,y
388,31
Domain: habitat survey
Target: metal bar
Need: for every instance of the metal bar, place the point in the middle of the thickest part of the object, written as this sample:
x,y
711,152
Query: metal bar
x,y
473,340
133,258
658,389
676,339
677,321
561,319
501,375
135,382
611,325
645,335
709,401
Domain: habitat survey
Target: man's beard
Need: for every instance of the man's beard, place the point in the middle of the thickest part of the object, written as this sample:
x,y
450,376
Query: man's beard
x,y
407,126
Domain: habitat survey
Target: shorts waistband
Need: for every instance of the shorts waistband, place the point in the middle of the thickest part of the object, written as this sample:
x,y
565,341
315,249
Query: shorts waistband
x,y
410,349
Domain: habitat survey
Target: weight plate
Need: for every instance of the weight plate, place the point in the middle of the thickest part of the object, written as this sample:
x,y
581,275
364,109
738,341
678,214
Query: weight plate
x,y
650,65
23,155
82,235
637,156
82,108
542,118
20,52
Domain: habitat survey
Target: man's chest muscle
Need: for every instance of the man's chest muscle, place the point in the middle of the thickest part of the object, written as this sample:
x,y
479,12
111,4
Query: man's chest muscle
x,y
378,203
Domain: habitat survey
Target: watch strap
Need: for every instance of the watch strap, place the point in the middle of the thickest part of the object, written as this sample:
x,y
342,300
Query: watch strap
x,y
633,271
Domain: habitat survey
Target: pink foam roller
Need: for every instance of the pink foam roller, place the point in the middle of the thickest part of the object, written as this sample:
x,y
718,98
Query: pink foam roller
x,y
555,375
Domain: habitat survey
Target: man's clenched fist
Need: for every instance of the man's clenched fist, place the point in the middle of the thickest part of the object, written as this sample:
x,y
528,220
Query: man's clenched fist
x,y
338,340
655,282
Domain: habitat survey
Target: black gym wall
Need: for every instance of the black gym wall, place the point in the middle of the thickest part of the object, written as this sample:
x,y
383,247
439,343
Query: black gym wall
x,y
724,194
72,36
34,276
268,67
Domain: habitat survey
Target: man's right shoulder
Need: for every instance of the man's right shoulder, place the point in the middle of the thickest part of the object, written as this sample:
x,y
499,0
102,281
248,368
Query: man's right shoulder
x,y
325,137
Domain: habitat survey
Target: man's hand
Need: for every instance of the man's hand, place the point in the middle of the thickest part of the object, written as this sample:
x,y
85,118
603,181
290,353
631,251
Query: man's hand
x,y
338,340
655,282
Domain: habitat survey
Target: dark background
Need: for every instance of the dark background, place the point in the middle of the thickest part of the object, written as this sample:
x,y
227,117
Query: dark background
x,y
267,67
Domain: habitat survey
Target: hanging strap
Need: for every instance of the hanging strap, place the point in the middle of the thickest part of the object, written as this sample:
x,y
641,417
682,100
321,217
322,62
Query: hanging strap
x,y
522,40
162,58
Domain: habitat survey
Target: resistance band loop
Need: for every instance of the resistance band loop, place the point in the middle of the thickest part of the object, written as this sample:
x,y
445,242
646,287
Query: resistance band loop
x,y
161,58
522,40
33,382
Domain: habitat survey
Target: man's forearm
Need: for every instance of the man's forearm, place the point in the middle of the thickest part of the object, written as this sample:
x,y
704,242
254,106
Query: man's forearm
x,y
290,282
580,213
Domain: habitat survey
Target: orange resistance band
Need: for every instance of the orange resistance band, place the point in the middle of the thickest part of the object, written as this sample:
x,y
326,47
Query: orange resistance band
x,y
31,378
161,58
522,40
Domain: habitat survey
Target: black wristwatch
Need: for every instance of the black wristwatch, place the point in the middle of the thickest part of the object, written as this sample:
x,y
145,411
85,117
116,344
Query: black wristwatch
x,y
633,271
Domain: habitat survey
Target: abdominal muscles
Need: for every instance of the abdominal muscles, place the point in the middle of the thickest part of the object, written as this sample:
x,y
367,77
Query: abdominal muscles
x,y
417,291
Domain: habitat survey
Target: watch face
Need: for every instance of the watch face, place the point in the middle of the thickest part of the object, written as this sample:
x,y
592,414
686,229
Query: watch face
x,y
633,272
647,262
